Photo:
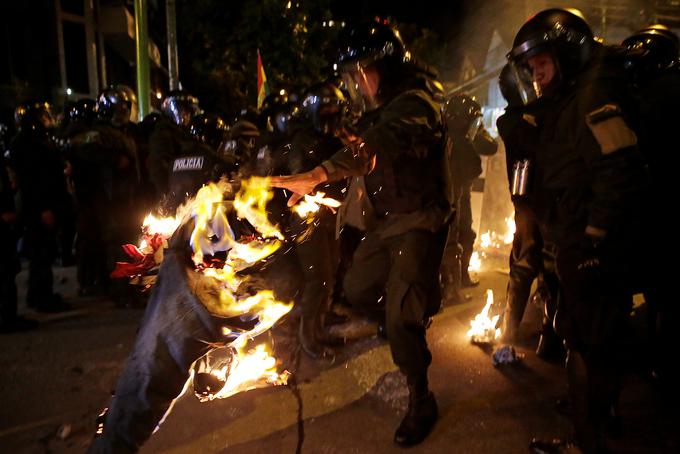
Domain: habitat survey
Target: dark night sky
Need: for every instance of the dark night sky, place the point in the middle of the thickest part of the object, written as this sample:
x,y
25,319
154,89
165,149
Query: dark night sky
x,y
443,17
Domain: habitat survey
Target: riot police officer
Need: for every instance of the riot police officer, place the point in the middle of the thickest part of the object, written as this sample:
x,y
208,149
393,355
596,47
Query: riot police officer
x,y
109,152
654,66
592,184
316,246
39,170
165,142
399,153
198,161
530,259
470,141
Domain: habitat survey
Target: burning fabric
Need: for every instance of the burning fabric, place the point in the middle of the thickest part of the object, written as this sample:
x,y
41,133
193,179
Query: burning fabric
x,y
149,254
209,293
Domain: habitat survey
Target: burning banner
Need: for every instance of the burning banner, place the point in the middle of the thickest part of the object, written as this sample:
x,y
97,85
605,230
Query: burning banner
x,y
209,293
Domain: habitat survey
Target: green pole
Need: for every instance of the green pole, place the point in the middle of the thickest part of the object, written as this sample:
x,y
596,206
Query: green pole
x,y
142,47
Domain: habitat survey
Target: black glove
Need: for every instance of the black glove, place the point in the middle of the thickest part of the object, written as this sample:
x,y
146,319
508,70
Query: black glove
x,y
590,264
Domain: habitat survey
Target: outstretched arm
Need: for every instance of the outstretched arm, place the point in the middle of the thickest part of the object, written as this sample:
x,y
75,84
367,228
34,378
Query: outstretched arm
x,y
300,184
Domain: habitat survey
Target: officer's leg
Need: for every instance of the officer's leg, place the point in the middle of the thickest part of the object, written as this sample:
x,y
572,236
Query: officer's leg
x,y
598,316
175,332
413,296
450,269
8,271
364,283
466,236
525,264
41,246
318,262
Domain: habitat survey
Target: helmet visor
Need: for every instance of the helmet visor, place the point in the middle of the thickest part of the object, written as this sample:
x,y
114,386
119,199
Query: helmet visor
x,y
362,86
473,129
529,89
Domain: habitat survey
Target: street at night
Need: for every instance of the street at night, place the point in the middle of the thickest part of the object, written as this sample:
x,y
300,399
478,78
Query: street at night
x,y
338,226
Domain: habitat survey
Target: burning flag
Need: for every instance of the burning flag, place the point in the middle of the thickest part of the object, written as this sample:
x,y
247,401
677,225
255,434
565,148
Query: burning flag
x,y
206,316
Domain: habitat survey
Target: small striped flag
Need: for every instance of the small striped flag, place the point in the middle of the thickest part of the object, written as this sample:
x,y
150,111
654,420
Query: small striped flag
x,y
262,86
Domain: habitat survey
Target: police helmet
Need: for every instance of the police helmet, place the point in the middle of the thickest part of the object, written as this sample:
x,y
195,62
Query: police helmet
x,y
366,51
463,115
34,116
324,105
83,110
278,113
563,36
180,106
148,124
653,48
115,104
209,129
507,82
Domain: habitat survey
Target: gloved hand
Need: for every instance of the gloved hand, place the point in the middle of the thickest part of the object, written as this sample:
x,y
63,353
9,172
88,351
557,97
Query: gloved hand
x,y
590,263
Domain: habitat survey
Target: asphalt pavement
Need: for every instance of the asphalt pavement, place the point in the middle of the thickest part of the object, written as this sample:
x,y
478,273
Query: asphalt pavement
x,y
55,380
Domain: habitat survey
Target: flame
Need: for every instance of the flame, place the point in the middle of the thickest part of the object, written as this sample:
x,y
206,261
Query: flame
x,y
510,233
255,368
165,226
482,328
311,204
493,243
475,262
250,204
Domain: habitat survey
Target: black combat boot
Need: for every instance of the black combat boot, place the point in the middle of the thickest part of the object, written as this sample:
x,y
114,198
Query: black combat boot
x,y
309,342
550,347
420,417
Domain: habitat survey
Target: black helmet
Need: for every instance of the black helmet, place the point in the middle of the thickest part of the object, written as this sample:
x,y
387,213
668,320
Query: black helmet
x,y
35,116
562,34
83,110
374,45
148,124
278,112
208,129
115,104
181,107
274,102
653,48
242,140
463,115
507,82
324,104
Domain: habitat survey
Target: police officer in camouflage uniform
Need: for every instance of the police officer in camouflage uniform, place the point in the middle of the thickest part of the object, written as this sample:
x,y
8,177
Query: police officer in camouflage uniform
x,y
519,128
654,65
169,132
111,148
592,181
198,162
10,321
469,141
399,153
316,246
35,160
